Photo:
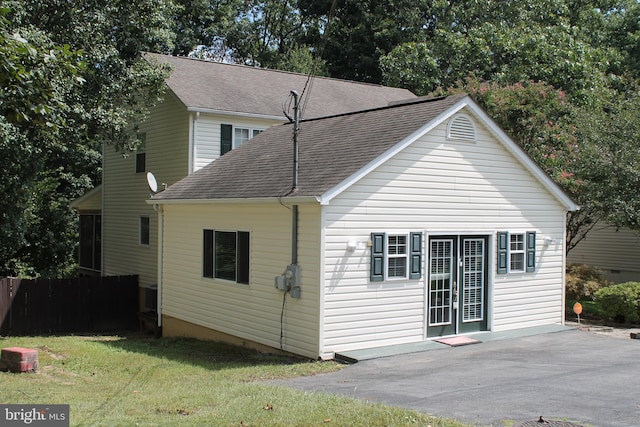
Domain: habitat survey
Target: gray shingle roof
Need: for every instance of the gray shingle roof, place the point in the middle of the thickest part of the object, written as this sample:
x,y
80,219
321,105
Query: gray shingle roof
x,y
206,85
331,149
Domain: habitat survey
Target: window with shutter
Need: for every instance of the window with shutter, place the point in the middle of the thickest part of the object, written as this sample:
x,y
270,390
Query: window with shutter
x,y
226,138
226,255
516,252
396,256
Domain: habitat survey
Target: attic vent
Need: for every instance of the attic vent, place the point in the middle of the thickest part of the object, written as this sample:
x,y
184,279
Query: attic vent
x,y
461,128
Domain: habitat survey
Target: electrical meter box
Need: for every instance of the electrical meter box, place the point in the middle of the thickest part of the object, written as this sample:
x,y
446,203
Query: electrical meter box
x,y
289,280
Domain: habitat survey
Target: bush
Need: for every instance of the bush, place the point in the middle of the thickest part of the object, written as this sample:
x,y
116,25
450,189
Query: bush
x,y
620,302
583,281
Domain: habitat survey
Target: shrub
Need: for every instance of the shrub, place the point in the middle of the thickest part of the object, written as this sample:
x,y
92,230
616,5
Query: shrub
x,y
583,281
620,302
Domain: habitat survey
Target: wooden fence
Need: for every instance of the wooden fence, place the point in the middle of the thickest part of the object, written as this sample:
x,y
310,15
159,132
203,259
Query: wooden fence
x,y
84,304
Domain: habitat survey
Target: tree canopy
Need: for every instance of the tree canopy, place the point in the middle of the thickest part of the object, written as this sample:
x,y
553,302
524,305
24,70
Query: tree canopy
x,y
559,76
73,79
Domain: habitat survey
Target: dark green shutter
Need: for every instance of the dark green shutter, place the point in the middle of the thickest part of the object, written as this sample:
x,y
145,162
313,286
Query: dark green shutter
x,y
503,251
226,136
377,256
207,254
531,251
415,264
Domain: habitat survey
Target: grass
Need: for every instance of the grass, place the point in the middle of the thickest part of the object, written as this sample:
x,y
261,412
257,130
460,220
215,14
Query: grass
x,y
137,380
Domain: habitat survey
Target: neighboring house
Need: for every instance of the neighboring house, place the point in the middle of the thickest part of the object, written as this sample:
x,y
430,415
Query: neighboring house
x,y
209,108
613,251
407,222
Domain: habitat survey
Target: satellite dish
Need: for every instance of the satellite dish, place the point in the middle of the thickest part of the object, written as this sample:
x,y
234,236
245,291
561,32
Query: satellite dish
x,y
153,184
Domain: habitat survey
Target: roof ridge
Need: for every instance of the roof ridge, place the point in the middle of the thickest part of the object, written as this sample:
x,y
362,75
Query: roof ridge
x,y
250,67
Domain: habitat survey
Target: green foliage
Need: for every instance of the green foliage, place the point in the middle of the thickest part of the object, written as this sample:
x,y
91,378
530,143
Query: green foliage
x,y
583,281
620,302
72,81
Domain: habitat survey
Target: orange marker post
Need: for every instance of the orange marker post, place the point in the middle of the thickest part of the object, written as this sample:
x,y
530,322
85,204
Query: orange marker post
x,y
577,309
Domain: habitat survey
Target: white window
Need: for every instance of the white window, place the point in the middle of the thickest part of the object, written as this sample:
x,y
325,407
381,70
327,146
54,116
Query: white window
x,y
397,256
516,252
242,135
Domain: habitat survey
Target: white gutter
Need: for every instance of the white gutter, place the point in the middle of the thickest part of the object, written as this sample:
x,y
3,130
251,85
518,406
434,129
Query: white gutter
x,y
225,201
236,114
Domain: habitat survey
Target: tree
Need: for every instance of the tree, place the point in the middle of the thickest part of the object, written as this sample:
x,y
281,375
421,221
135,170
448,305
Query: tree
x,y
356,33
202,25
34,80
56,127
559,76
507,44
609,164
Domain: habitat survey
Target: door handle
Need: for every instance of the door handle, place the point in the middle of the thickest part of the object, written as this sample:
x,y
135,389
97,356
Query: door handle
x,y
454,300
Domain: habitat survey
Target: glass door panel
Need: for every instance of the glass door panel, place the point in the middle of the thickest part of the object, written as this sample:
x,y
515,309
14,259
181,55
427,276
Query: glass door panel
x,y
441,287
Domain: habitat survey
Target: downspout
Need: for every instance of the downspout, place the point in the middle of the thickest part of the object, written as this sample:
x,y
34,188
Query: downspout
x,y
160,268
294,187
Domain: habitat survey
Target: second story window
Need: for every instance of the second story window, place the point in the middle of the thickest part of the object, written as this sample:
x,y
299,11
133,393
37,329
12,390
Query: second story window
x,y
234,136
141,155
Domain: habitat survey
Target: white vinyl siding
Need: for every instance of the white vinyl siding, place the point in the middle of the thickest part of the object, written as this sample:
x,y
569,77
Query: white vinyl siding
x,y
125,192
250,312
615,252
443,187
207,134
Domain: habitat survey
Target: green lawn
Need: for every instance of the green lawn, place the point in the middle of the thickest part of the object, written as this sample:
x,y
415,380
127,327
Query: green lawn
x,y
137,380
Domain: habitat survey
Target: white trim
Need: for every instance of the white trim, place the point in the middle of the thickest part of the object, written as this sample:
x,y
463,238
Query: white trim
x,y
250,129
282,200
237,114
193,129
321,292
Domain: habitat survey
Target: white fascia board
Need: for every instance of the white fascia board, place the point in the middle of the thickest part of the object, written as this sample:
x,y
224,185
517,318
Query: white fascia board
x,y
225,201
237,114
522,156
326,198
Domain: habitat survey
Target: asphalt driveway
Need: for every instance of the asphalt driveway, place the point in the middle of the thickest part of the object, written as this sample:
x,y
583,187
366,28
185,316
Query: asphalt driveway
x,y
572,375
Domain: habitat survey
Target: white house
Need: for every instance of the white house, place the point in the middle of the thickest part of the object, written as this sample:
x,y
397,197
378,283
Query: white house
x,y
403,223
208,109
614,251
